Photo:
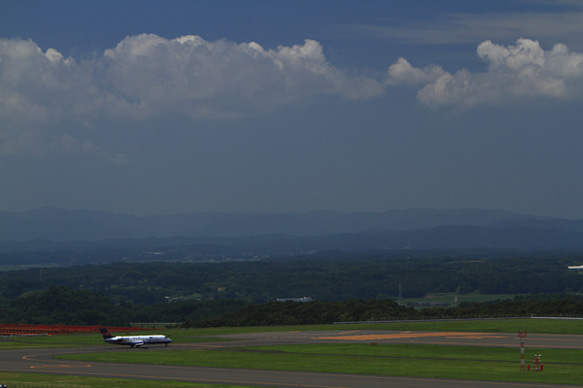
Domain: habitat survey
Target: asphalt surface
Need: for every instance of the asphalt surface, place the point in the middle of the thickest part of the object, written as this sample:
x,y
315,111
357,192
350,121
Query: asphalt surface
x,y
43,361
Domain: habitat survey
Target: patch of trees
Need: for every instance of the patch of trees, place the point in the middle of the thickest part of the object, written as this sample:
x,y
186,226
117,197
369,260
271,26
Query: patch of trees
x,y
294,313
309,313
62,305
65,306
328,276
538,304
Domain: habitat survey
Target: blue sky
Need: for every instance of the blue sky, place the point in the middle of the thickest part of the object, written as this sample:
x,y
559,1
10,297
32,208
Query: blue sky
x,y
151,107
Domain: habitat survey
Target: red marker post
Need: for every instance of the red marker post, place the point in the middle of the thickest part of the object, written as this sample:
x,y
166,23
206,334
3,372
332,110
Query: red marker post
x,y
522,336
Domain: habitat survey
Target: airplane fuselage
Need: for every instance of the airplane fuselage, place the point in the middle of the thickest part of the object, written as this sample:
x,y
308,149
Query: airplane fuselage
x,y
135,340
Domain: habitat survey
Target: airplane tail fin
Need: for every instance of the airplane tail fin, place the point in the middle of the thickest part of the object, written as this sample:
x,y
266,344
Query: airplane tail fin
x,y
105,333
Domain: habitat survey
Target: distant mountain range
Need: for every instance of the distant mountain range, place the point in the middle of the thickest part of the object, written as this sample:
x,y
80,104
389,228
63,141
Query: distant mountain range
x,y
290,233
58,224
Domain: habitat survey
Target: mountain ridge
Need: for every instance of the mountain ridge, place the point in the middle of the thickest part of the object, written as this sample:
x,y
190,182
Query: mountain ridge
x,y
57,224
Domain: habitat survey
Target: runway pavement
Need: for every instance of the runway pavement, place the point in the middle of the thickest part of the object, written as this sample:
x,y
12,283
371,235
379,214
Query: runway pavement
x,y
43,361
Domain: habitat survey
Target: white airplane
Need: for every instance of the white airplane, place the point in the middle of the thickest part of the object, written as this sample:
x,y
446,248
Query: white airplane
x,y
134,340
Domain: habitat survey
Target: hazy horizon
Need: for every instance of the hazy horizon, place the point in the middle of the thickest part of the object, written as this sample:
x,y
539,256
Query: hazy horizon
x,y
320,211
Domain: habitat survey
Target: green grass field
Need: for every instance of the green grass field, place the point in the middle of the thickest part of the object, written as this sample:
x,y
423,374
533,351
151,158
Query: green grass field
x,y
562,366
457,362
27,380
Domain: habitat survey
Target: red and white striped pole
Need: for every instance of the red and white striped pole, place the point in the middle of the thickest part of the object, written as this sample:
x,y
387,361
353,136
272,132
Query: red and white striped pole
x,y
522,335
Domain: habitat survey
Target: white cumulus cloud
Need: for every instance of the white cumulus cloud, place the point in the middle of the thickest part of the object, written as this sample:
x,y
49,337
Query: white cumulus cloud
x,y
148,76
515,73
221,79
402,72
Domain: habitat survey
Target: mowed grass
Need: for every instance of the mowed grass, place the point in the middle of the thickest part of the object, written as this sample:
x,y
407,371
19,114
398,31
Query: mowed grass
x,y
29,380
432,361
543,326
470,353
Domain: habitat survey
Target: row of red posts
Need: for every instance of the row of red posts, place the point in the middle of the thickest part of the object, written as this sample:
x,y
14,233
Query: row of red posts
x,y
24,329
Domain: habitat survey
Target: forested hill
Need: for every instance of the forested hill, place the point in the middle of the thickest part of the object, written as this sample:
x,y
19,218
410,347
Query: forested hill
x,y
331,277
62,305
38,237
467,241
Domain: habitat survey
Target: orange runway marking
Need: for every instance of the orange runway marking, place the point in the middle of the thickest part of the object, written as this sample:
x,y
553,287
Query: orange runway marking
x,y
405,335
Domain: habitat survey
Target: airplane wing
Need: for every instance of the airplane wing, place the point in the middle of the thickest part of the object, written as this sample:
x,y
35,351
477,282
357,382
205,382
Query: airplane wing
x,y
138,344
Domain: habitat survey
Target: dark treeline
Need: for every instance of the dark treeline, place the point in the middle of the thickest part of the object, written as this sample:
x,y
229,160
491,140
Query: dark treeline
x,y
294,313
62,305
327,276
310,313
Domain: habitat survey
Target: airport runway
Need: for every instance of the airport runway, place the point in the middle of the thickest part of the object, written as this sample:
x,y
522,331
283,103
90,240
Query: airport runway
x,y
42,361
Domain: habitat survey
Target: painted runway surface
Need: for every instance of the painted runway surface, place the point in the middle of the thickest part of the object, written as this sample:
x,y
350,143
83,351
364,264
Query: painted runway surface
x,y
43,361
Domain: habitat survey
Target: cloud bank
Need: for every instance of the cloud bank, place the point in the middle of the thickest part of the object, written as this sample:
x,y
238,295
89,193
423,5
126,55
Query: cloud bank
x,y
515,73
147,75
47,100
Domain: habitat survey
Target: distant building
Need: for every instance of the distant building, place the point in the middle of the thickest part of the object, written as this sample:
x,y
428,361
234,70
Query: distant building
x,y
304,299
428,304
